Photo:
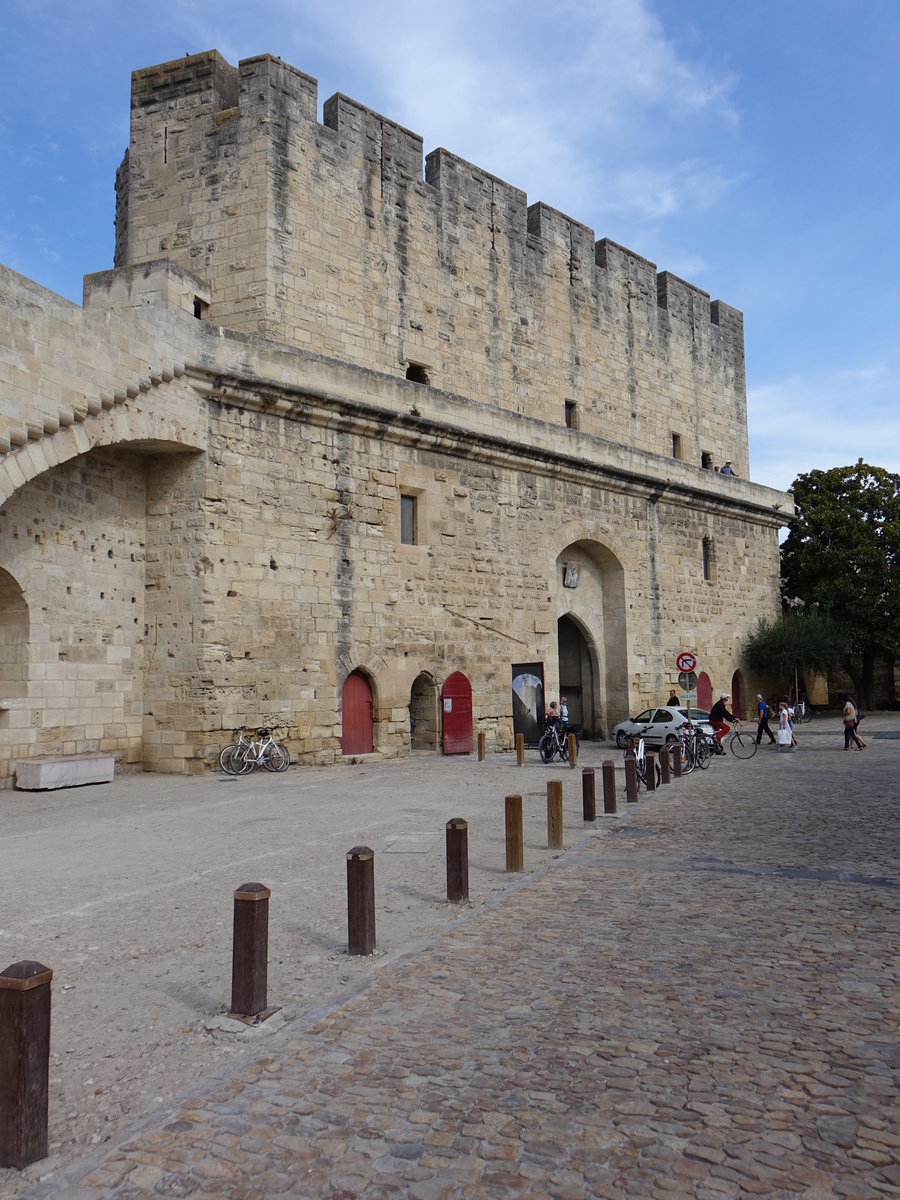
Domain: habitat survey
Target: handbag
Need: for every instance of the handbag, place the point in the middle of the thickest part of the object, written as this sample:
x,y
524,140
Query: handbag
x,y
784,737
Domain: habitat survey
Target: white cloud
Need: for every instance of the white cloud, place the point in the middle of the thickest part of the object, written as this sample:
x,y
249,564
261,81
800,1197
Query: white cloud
x,y
818,421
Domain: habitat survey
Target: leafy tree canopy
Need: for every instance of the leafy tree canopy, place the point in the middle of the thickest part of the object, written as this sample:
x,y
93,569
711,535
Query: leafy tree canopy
x,y
842,556
799,643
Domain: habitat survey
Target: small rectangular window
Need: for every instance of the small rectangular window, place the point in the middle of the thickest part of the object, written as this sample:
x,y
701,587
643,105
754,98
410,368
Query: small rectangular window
x,y
706,460
408,520
570,414
676,445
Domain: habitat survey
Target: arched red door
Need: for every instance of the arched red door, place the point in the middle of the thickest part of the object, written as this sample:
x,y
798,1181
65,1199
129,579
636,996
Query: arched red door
x,y
737,708
356,715
704,691
456,697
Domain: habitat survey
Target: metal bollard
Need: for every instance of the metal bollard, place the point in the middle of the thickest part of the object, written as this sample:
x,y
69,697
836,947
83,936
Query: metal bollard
x,y
458,859
24,1063
481,745
554,814
515,841
588,794
361,900
520,749
664,764
609,786
651,771
573,750
676,760
630,779
250,951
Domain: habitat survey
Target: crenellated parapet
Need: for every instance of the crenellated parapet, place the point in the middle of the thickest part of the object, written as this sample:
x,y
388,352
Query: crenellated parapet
x,y
336,237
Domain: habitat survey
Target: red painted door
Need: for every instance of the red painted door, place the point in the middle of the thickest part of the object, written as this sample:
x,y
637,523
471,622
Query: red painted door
x,y
356,715
456,704
704,691
736,698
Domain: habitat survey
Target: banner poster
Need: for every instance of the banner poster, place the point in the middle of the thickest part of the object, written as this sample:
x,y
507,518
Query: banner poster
x,y
528,701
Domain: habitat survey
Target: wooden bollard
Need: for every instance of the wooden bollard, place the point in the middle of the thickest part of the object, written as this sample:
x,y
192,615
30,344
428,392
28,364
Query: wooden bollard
x,y
481,745
361,900
520,749
555,814
651,771
664,765
515,843
588,794
630,779
676,760
458,859
609,786
24,1063
573,750
250,951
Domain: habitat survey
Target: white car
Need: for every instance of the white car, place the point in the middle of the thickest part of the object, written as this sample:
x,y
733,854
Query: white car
x,y
663,725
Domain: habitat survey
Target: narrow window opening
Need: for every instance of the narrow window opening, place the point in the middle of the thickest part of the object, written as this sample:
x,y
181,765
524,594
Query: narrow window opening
x,y
570,415
201,308
707,558
408,516
416,373
706,460
676,445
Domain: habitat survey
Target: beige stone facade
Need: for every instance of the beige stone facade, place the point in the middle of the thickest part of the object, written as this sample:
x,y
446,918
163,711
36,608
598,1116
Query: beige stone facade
x,y
203,468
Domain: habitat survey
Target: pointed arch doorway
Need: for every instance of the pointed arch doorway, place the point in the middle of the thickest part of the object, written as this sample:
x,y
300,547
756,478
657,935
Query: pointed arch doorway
x,y
577,675
357,726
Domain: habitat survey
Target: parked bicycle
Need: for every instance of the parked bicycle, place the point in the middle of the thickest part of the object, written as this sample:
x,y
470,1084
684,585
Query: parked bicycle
x,y
696,749
636,749
243,755
555,740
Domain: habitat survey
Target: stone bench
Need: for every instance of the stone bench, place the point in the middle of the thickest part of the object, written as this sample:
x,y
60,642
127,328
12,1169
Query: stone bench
x,y
42,774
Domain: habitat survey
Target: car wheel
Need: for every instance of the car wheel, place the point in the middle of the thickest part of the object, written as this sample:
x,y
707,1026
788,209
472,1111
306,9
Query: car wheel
x,y
621,739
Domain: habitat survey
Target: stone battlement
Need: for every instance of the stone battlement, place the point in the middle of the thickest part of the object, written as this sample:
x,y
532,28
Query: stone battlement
x,y
329,236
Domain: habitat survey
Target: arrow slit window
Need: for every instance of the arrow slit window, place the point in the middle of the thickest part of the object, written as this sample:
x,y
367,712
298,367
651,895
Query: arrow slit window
x,y
709,562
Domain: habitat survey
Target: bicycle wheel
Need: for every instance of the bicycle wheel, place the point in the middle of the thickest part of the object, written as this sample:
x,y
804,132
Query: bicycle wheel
x,y
564,749
547,748
742,745
704,755
275,757
244,759
688,761
285,756
804,714
225,757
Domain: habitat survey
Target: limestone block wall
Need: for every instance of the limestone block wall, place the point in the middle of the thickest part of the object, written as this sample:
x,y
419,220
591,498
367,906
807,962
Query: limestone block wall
x,y
330,237
72,548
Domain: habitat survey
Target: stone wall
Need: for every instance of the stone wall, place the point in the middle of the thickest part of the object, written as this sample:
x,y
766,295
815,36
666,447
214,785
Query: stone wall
x,y
328,237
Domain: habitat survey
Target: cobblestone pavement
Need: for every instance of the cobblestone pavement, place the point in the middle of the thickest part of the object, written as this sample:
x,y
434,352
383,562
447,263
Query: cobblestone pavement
x,y
699,1000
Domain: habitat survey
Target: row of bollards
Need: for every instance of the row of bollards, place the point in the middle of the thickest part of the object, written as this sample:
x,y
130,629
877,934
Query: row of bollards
x,y
25,986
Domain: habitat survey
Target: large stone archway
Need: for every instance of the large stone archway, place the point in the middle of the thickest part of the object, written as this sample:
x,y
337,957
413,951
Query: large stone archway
x,y
591,634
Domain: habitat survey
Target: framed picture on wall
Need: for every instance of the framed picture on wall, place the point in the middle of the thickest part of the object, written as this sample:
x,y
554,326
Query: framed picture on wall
x,y
528,701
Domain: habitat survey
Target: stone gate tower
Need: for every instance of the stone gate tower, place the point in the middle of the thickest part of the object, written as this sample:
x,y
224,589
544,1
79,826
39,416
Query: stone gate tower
x,y
348,441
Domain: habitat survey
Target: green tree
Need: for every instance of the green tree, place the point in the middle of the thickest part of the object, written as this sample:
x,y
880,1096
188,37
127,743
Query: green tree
x,y
842,559
798,643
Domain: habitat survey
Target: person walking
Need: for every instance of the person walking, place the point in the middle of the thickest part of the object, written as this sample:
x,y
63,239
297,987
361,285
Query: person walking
x,y
762,718
850,718
785,734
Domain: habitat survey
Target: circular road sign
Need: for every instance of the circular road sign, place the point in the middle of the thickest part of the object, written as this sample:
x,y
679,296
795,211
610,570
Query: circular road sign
x,y
686,661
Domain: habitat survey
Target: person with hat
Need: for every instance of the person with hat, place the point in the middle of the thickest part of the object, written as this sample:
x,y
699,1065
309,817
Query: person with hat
x,y
728,469
719,716
762,717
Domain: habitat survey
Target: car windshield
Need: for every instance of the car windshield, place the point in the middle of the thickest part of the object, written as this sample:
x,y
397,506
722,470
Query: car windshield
x,y
646,716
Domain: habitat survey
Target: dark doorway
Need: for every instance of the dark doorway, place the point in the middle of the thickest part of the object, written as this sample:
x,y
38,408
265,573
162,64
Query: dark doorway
x,y
576,676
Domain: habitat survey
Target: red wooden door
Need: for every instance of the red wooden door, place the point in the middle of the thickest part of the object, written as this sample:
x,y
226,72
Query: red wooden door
x,y
736,698
356,715
456,704
704,691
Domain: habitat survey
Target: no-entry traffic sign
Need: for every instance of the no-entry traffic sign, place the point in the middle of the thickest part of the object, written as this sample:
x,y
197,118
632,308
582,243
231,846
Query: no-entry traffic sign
x,y
686,661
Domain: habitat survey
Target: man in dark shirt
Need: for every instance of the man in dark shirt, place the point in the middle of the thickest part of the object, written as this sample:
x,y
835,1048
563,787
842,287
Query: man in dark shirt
x,y
673,701
718,716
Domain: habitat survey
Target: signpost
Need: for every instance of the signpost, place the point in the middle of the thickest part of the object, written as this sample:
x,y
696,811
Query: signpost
x,y
686,662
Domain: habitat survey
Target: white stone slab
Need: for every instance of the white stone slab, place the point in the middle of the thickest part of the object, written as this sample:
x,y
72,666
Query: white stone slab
x,y
37,774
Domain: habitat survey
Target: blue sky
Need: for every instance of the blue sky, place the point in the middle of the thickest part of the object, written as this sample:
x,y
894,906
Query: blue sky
x,y
749,147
